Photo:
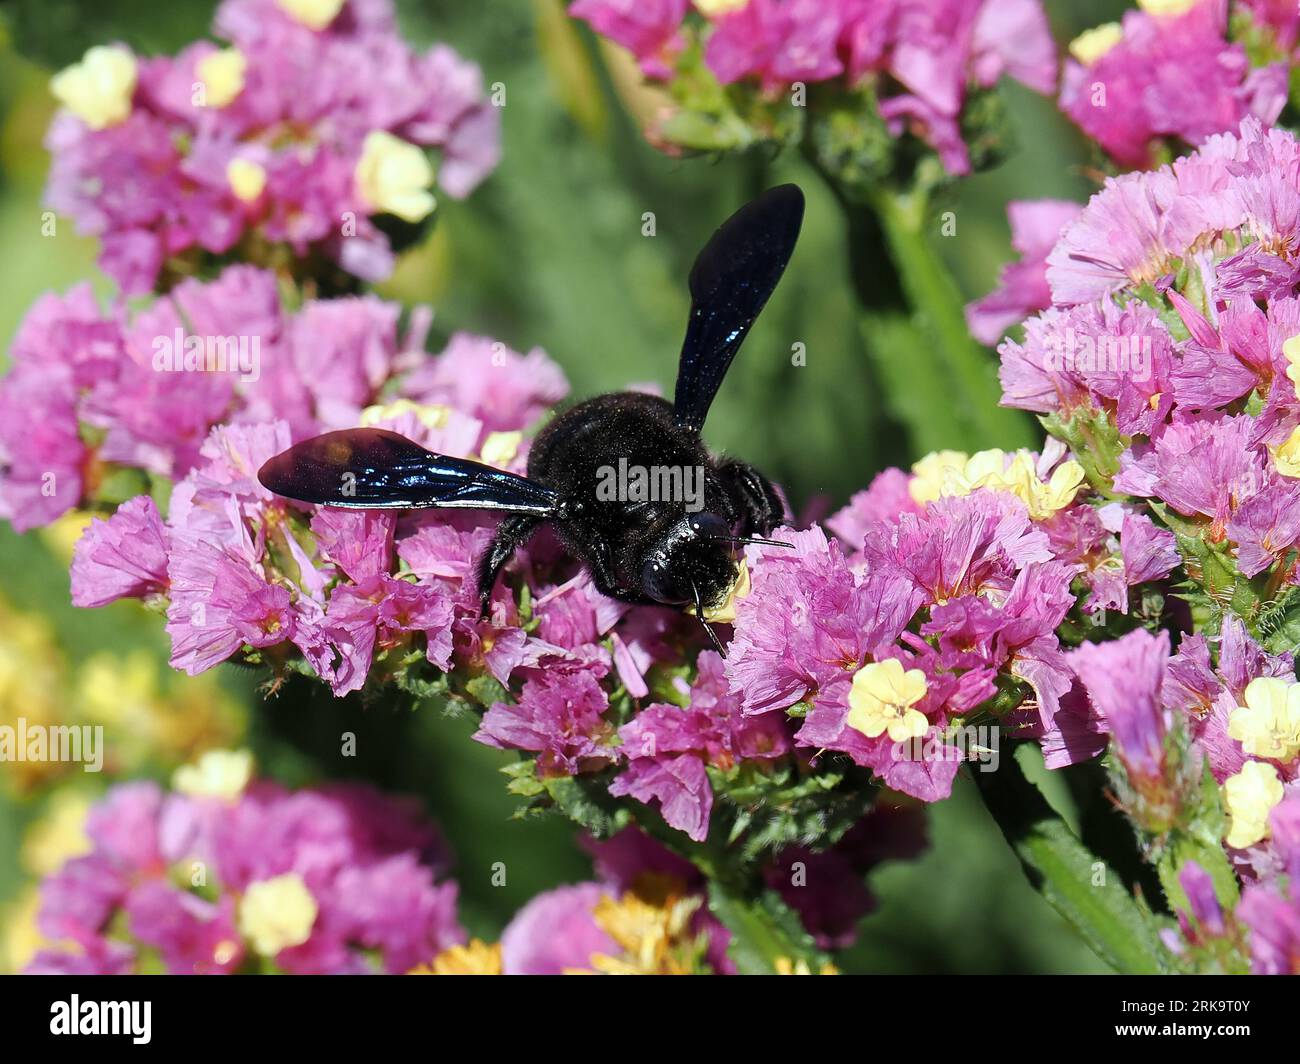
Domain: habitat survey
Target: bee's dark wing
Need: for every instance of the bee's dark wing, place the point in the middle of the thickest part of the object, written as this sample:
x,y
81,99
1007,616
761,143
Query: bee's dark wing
x,y
375,469
730,283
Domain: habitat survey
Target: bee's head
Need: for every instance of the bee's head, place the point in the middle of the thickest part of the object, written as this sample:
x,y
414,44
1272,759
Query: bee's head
x,y
692,562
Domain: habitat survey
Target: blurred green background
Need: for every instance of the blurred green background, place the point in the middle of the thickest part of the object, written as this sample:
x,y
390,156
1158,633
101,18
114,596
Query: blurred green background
x,y
549,252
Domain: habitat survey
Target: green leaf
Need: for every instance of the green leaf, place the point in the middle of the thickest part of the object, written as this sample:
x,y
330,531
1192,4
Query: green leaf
x,y
1071,879
772,809
486,691
587,802
523,778
422,688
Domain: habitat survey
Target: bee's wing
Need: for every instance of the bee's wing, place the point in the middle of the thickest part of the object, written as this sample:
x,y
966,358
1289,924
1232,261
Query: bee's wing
x,y
730,283
375,469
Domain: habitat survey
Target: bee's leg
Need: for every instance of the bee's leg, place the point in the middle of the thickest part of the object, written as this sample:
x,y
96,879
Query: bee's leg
x,y
510,535
753,495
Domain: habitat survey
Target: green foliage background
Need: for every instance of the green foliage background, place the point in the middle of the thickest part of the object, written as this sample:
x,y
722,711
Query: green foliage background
x,y
549,252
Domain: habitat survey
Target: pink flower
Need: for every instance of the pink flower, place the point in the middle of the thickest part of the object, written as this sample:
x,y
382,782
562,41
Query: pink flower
x,y
959,545
1123,679
41,452
647,28
779,41
1144,87
883,500
1203,466
924,768
555,933
667,748
808,618
123,557
370,865
158,186
559,716
481,377
1274,925
1036,225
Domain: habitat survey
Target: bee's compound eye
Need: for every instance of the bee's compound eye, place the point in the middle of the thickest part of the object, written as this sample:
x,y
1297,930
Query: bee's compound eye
x,y
657,582
709,526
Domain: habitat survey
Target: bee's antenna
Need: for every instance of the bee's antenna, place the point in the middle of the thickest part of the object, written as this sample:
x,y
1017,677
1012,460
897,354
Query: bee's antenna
x,y
754,539
699,612
713,638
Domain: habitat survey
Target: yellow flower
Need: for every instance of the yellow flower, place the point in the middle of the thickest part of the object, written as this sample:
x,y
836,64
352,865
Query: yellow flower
x,y
217,774
222,74
882,698
31,674
1045,498
246,178
62,535
277,913
59,835
314,13
430,415
1286,455
394,177
1249,795
20,938
1092,44
478,958
652,926
500,448
98,90
785,966
112,689
1291,352
931,472
718,8
1167,7
1016,474
1269,723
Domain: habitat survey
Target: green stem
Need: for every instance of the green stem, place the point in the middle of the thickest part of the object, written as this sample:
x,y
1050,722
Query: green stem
x,y
1087,893
955,376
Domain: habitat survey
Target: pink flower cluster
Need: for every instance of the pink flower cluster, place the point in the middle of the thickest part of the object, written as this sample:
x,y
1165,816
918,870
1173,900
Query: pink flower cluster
x,y
1158,84
91,391
176,878
259,143
969,589
963,588
921,55
239,567
1169,358
1175,78
1173,304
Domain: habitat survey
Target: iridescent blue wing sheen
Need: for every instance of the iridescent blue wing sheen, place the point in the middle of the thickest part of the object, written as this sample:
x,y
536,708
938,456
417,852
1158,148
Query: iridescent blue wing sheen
x,y
380,470
730,283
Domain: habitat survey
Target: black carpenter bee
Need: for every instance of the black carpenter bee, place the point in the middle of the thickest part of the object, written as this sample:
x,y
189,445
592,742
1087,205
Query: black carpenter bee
x,y
673,548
